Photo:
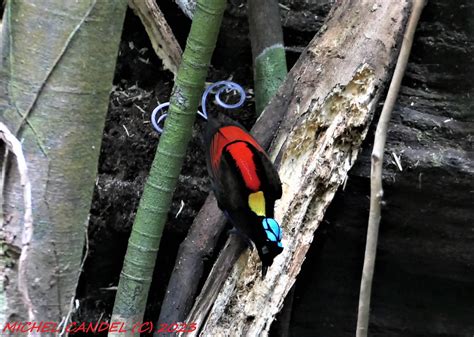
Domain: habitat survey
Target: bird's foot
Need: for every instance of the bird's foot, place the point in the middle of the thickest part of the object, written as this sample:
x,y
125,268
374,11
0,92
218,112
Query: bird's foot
x,y
243,236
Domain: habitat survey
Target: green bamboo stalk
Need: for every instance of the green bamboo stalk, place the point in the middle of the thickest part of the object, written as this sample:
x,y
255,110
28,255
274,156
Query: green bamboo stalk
x,y
152,212
265,27
269,59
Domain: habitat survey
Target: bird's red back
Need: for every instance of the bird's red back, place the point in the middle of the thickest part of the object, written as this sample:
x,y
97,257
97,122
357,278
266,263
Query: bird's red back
x,y
240,146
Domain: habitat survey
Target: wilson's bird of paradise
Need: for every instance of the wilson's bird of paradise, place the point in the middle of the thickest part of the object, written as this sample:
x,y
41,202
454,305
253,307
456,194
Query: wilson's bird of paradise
x,y
244,180
246,185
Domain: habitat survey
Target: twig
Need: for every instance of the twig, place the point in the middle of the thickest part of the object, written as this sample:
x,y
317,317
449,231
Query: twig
x,y
397,160
161,36
14,146
376,190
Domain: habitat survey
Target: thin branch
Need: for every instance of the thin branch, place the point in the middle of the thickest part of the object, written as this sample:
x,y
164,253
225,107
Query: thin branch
x,y
161,36
139,262
13,145
376,190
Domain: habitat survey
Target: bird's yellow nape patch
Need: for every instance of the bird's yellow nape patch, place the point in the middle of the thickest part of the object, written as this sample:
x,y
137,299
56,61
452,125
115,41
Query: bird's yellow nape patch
x,y
257,203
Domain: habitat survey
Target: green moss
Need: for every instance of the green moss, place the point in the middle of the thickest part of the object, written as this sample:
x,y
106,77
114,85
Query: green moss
x,y
270,72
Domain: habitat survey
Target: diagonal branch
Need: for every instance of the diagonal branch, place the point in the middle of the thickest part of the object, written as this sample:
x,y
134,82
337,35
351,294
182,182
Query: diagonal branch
x,y
161,36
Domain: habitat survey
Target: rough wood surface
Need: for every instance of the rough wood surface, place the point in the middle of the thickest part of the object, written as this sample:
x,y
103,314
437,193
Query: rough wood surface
x,y
332,93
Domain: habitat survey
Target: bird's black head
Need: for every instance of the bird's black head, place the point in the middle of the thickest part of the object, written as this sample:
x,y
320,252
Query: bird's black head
x,y
271,245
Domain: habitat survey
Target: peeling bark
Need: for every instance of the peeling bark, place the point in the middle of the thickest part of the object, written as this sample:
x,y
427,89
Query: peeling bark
x,y
329,99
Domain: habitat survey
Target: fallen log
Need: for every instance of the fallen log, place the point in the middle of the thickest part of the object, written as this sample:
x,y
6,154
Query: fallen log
x,y
328,101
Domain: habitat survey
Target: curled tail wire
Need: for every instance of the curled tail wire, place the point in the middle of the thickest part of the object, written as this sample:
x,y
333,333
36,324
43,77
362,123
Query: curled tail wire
x,y
217,89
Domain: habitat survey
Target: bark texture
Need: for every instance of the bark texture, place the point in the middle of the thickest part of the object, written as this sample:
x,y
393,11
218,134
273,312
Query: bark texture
x,y
57,71
328,113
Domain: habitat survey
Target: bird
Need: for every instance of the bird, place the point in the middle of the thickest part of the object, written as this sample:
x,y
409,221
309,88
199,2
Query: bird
x,y
245,184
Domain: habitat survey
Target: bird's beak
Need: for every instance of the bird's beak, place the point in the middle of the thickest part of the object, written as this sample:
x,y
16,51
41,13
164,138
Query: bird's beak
x,y
264,270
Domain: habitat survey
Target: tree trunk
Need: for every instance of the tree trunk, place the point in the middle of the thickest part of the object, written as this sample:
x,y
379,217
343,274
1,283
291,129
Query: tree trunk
x,y
57,66
329,98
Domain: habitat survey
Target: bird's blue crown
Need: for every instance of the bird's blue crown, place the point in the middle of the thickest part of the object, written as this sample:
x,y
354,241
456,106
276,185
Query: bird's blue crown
x,y
273,230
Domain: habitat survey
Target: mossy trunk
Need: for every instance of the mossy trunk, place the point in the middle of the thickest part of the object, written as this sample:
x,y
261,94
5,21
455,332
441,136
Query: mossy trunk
x,y
269,61
57,65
